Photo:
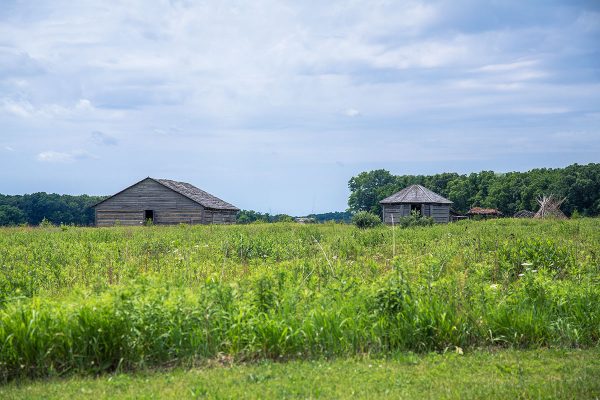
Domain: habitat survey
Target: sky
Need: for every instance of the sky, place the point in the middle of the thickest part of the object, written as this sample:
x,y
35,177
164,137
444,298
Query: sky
x,y
275,105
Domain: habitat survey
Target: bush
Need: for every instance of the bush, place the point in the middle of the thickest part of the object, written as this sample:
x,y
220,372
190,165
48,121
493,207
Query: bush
x,y
365,219
414,219
521,255
45,223
575,214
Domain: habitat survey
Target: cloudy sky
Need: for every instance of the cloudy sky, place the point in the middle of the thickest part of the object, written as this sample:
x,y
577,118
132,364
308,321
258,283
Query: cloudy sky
x,y
274,105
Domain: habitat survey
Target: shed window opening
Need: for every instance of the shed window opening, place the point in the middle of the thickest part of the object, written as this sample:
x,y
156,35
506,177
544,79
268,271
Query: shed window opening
x,y
149,215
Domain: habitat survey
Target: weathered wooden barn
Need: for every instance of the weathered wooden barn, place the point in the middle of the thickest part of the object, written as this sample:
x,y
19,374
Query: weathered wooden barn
x,y
416,198
163,201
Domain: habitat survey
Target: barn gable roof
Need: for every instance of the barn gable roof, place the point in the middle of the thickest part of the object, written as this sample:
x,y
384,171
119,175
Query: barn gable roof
x,y
415,194
199,196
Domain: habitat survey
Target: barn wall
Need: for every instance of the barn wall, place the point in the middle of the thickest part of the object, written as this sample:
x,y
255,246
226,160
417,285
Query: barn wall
x,y
127,207
426,210
440,213
116,217
395,210
219,217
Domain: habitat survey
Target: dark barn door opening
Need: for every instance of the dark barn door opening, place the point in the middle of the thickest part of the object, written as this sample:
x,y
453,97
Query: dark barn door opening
x,y
417,208
149,215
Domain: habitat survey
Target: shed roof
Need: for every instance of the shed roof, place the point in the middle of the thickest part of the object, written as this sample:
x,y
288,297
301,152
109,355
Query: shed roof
x,y
415,194
199,196
484,211
524,214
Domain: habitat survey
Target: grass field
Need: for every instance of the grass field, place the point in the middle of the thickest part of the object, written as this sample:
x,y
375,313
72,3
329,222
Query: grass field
x,y
508,374
89,301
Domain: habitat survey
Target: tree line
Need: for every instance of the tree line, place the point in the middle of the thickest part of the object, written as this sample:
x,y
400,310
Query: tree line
x,y
31,209
250,216
509,192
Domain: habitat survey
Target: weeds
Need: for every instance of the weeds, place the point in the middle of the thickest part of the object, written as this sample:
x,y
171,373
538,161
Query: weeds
x,y
98,300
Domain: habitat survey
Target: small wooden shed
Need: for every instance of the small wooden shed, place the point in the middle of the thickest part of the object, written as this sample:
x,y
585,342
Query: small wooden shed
x,y
163,201
480,212
417,198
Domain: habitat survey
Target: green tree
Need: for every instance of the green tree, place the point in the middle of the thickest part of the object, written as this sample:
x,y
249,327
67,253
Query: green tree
x,y
10,215
368,188
55,208
249,216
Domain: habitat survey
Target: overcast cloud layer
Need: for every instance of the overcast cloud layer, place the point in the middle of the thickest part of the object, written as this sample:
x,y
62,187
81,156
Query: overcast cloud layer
x,y
274,105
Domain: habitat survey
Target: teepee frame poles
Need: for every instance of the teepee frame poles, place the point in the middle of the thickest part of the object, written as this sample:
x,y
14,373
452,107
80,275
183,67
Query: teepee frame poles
x,y
550,207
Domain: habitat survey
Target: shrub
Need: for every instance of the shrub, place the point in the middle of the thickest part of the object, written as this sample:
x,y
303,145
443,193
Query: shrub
x,y
45,223
516,256
414,219
575,215
365,219
392,298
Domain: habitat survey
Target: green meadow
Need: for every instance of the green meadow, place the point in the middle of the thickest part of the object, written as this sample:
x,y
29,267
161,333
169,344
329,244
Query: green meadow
x,y
506,374
82,305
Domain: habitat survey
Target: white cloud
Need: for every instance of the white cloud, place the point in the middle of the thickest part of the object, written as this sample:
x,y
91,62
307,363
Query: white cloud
x,y
25,109
517,65
351,112
8,148
84,104
55,157
426,54
226,64
52,156
102,138
22,109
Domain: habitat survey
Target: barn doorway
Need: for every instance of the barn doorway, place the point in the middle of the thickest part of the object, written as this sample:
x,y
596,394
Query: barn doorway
x,y
416,208
148,215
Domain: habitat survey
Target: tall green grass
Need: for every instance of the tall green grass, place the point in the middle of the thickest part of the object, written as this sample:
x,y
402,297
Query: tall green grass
x,y
94,300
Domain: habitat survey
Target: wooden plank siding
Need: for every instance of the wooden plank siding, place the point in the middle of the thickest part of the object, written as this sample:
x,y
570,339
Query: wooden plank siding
x,y
169,207
426,210
396,210
116,217
440,213
219,217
